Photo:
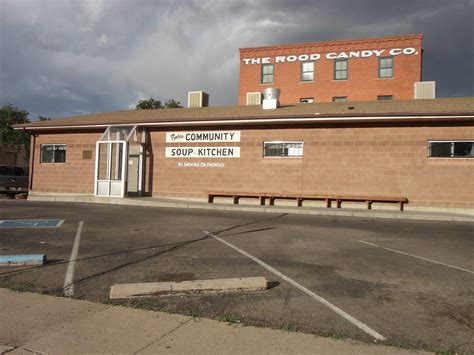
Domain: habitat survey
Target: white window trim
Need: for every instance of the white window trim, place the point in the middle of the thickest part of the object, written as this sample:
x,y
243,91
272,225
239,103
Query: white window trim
x,y
452,148
51,144
283,156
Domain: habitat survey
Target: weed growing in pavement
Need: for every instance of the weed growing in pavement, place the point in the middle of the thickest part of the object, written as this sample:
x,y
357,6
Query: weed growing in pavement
x,y
23,288
447,352
288,327
229,318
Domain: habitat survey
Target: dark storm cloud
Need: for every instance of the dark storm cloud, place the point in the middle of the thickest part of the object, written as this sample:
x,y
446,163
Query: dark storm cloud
x,y
61,58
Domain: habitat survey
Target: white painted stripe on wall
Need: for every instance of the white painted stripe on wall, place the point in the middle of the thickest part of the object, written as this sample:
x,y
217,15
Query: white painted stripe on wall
x,y
68,288
308,292
416,256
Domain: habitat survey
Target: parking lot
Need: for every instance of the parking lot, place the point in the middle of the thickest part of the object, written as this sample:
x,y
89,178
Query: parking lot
x,y
410,282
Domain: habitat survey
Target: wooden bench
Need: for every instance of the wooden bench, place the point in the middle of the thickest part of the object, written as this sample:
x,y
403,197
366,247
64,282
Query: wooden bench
x,y
370,199
328,198
236,196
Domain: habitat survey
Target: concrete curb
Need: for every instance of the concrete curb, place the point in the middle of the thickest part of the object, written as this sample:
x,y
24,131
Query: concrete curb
x,y
149,289
148,202
19,260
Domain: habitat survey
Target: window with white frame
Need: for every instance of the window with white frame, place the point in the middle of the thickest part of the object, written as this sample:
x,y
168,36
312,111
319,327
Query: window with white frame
x,y
53,153
451,149
283,149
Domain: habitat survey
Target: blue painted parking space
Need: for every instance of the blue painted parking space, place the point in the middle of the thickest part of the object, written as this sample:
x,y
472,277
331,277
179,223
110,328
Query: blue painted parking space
x,y
27,259
31,223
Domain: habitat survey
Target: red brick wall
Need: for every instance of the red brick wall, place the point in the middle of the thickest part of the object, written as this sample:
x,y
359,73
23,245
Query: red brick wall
x,y
363,83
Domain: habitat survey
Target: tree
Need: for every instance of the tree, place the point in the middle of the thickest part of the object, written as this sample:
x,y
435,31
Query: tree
x,y
171,103
42,118
9,116
149,104
152,104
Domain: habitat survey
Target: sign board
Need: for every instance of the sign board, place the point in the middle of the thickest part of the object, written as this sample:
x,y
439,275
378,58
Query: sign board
x,y
203,136
331,56
202,152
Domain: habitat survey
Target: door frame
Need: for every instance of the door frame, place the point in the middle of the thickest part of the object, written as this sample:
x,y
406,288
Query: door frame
x,y
124,172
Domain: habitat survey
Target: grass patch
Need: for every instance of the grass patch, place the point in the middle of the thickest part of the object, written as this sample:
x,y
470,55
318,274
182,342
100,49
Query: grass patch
x,y
228,318
288,327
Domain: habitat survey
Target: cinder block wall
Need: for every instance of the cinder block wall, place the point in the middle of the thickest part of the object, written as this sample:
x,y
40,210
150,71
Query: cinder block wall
x,y
369,159
363,83
350,159
76,175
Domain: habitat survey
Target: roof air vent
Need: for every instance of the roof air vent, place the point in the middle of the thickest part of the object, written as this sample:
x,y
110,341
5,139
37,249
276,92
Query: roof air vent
x,y
425,89
254,98
198,99
270,98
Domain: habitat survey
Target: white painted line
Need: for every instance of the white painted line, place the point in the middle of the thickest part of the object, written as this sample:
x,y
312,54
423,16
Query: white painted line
x,y
61,221
300,287
68,288
418,257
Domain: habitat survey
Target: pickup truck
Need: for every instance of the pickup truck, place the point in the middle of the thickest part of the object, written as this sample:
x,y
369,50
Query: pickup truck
x,y
13,180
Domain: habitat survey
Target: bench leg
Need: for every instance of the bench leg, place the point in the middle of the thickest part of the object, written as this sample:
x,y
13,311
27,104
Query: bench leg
x,y
236,200
401,206
339,203
328,203
271,201
262,200
299,201
369,205
210,199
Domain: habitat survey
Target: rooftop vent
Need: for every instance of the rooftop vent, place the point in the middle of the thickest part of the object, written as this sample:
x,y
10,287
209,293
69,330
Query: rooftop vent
x,y
425,89
254,98
198,99
270,98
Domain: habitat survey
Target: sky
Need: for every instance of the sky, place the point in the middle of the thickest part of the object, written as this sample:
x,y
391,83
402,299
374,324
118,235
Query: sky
x,y
61,58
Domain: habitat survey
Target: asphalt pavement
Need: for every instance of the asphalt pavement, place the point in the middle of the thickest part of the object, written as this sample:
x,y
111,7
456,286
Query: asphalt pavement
x,y
408,281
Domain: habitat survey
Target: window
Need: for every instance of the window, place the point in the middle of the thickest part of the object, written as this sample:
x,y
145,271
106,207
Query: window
x,y
53,153
307,100
386,67
446,149
267,73
307,71
339,99
283,149
384,97
341,69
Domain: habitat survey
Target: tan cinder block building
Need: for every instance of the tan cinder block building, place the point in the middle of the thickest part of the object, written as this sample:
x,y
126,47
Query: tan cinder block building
x,y
347,70
419,149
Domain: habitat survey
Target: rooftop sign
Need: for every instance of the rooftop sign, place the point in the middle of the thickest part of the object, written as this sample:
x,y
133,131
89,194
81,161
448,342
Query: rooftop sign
x,y
331,56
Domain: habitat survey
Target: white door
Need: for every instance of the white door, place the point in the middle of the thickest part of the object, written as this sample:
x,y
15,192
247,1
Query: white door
x,y
110,168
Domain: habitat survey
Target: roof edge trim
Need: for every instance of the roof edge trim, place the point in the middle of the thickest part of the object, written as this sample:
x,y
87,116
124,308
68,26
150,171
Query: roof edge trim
x,y
313,119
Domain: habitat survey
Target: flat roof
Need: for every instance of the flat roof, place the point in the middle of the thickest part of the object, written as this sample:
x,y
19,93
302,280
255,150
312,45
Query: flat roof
x,y
342,111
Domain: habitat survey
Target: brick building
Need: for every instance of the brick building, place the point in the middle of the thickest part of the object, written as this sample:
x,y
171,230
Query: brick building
x,y
419,149
350,70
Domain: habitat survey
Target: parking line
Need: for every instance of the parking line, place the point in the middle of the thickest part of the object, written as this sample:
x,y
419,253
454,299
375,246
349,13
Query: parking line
x,y
418,257
68,288
300,287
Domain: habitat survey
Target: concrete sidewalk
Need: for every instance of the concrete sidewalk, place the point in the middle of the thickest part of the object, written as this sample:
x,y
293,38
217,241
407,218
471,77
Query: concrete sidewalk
x,y
34,323
384,212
